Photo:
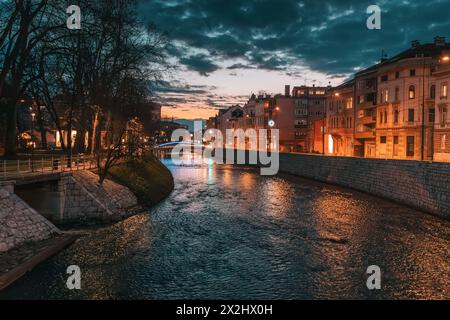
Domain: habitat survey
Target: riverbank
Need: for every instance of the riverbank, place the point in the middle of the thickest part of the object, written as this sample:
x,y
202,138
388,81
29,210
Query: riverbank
x,y
85,203
15,263
147,178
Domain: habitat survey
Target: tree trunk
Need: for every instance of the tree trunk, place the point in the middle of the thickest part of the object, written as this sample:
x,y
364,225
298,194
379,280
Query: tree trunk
x,y
94,133
11,131
42,128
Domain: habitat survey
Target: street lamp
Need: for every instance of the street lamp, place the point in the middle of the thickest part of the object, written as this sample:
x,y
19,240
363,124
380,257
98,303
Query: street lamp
x,y
33,116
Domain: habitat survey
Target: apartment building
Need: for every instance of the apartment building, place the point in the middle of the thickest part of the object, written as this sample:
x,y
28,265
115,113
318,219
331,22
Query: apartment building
x,y
439,90
315,100
340,131
406,105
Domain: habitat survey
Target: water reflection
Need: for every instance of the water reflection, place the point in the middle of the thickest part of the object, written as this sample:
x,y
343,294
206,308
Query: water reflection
x,y
229,233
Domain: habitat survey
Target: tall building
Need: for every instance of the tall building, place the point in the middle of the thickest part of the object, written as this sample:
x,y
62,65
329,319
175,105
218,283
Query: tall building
x,y
340,138
295,116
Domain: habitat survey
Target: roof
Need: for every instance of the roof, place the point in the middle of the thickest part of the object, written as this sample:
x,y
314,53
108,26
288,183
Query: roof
x,y
420,50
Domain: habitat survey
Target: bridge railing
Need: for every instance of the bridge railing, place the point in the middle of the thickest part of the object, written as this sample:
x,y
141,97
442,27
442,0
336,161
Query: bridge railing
x,y
13,169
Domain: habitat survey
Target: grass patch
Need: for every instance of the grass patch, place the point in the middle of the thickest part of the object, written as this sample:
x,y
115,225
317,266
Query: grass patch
x,y
147,178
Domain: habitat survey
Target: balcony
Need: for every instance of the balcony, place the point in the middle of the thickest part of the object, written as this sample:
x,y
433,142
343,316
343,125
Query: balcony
x,y
367,134
367,120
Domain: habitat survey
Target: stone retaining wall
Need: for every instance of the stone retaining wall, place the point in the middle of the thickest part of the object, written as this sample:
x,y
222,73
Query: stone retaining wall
x,y
423,185
84,200
81,200
19,223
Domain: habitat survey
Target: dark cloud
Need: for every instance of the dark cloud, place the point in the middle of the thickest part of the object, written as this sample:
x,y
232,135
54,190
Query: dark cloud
x,y
240,66
200,63
176,87
326,36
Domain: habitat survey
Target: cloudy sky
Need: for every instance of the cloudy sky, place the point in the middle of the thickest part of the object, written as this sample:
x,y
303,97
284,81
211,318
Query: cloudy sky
x,y
227,49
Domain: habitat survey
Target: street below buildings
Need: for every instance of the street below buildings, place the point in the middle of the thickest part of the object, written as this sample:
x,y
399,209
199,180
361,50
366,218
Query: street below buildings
x,y
228,233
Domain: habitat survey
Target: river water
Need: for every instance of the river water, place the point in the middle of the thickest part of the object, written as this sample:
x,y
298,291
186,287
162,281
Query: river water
x,y
229,233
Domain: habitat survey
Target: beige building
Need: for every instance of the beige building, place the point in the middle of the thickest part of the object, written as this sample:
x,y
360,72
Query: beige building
x,y
406,105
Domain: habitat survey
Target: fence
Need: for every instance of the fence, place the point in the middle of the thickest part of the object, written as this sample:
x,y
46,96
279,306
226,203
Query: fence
x,y
13,169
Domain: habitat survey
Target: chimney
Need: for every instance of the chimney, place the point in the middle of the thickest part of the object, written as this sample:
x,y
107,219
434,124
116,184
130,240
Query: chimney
x,y
439,41
287,90
415,43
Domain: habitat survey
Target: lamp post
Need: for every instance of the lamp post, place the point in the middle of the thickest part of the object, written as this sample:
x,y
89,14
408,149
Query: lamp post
x,y
33,116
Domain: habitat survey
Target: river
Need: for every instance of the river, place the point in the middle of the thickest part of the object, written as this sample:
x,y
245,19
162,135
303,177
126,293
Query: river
x,y
229,233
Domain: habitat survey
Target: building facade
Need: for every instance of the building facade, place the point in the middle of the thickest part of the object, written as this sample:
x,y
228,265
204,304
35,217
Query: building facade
x,y
340,138
366,112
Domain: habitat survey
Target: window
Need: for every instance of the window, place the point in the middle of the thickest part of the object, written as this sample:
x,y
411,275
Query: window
x,y
412,72
381,117
444,90
412,92
384,78
349,103
384,96
443,116
433,92
361,99
383,139
397,93
431,115
410,115
301,122
395,146
397,75
395,116
301,112
410,146
385,116
443,141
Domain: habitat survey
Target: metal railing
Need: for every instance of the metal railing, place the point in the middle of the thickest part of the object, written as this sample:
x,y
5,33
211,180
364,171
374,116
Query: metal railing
x,y
21,168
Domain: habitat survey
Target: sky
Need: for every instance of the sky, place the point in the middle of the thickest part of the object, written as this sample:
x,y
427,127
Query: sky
x,y
225,50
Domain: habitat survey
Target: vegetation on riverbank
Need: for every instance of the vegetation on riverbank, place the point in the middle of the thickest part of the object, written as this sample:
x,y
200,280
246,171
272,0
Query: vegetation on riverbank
x,y
147,178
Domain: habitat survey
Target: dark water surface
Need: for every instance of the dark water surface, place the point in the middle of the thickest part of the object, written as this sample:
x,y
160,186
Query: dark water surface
x,y
228,233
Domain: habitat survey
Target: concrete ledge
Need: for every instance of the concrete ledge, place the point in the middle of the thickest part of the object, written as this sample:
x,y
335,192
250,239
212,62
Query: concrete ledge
x,y
19,271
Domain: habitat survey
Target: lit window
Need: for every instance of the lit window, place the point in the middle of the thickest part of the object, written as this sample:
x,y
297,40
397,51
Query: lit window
x,y
349,103
412,92
443,141
444,90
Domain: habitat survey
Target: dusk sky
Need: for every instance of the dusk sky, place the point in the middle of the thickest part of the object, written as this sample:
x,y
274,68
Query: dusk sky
x,y
227,49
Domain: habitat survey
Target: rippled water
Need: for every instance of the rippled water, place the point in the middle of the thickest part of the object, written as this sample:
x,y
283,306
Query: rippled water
x,y
228,233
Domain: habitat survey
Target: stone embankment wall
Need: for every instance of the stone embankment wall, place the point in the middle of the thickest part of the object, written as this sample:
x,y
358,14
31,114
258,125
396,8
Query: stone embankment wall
x,y
81,200
423,185
84,200
19,223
